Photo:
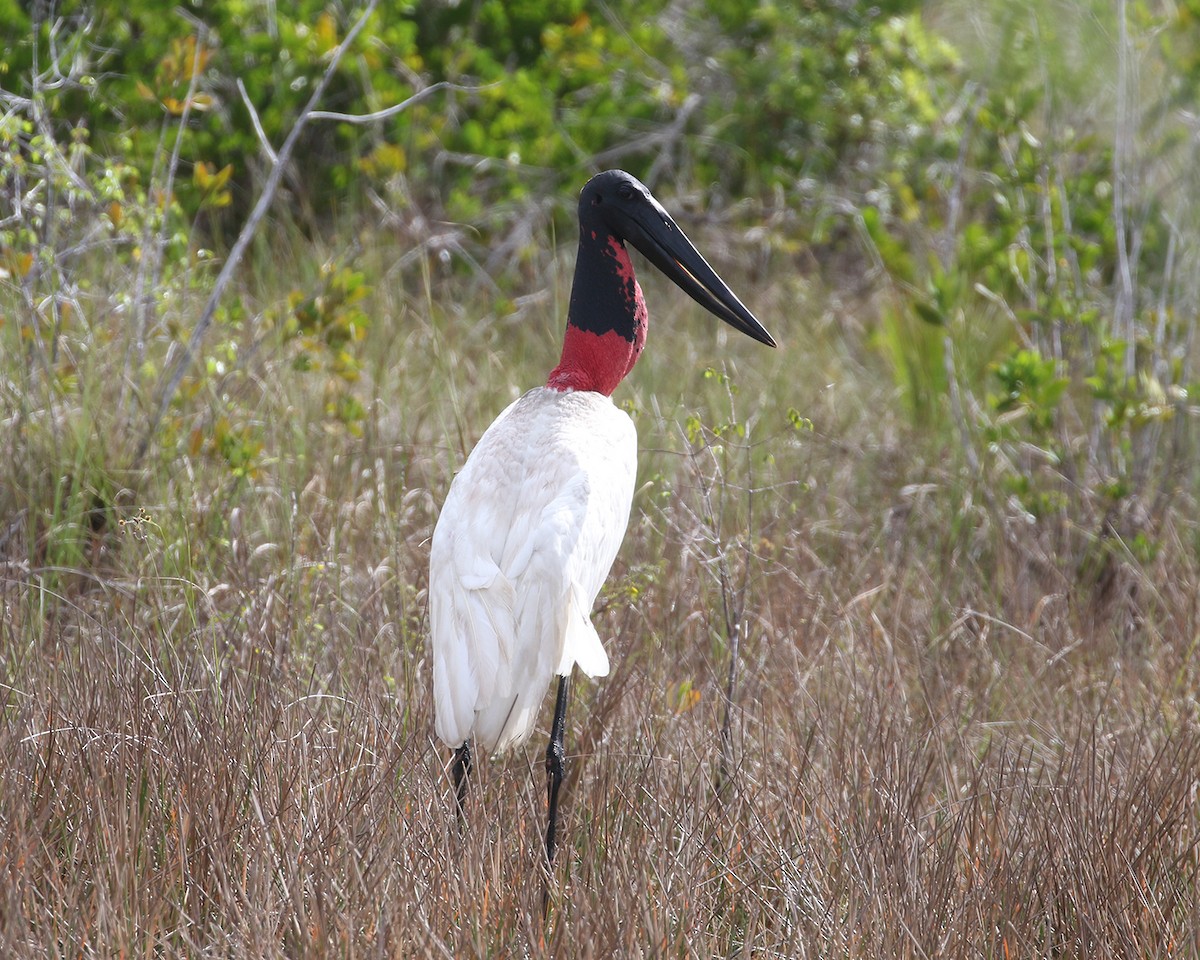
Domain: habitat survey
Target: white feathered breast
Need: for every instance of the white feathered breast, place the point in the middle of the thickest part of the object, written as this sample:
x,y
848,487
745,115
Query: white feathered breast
x,y
529,530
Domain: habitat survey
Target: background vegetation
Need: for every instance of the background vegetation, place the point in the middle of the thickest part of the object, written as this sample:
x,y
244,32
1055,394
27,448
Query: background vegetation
x,y
944,540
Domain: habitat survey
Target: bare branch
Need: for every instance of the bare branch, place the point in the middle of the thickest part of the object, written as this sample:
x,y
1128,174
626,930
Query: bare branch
x,y
365,118
258,127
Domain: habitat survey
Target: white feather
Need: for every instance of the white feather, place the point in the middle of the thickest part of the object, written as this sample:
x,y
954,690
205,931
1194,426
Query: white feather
x,y
525,540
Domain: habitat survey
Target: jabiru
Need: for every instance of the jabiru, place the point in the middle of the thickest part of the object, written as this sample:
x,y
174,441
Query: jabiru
x,y
532,522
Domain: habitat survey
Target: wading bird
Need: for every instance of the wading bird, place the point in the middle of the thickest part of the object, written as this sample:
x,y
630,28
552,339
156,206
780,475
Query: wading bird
x,y
533,521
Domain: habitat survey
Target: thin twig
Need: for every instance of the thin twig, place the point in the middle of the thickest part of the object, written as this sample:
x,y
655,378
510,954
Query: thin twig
x,y
365,118
258,127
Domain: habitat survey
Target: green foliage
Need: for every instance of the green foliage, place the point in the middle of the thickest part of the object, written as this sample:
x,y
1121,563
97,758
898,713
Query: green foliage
x,y
146,68
1022,226
914,349
1031,387
558,83
101,270
321,330
238,446
322,323
839,92
799,422
1177,35
511,32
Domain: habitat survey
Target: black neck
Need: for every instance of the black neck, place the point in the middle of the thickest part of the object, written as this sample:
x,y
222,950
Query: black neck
x,y
604,293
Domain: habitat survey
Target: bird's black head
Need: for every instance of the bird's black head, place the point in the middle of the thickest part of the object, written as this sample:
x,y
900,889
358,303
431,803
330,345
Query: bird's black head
x,y
623,206
616,203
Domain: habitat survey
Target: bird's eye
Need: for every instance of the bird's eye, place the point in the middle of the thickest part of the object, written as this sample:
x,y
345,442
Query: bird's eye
x,y
597,200
625,191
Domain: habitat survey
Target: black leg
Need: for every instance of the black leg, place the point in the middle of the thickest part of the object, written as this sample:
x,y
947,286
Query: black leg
x,y
554,764
462,771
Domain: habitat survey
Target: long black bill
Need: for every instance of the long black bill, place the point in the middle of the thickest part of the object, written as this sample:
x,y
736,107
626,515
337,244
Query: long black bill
x,y
659,239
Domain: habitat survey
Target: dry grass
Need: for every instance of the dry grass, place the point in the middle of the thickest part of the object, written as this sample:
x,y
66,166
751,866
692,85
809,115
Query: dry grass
x,y
217,735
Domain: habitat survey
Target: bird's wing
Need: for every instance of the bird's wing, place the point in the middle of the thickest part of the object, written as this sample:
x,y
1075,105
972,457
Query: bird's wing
x,y
524,542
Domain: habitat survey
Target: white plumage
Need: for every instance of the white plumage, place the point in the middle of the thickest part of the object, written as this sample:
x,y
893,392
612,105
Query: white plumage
x,y
529,530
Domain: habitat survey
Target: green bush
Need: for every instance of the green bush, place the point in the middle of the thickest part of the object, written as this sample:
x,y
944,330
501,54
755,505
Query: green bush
x,y
1053,287
838,94
835,93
